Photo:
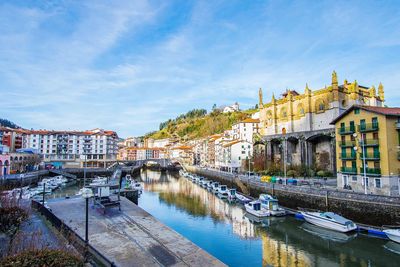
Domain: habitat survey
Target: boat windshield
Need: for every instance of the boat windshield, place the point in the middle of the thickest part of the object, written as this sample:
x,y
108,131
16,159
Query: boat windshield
x,y
223,187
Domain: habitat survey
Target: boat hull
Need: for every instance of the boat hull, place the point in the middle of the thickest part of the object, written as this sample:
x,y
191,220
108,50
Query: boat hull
x,y
393,235
327,224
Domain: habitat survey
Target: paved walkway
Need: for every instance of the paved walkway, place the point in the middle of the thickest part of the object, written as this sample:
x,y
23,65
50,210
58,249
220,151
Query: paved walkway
x,y
131,237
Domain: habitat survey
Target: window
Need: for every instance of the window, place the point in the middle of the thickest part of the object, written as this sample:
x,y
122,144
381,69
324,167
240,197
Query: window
x,y
365,180
354,178
356,111
352,128
239,158
321,107
377,182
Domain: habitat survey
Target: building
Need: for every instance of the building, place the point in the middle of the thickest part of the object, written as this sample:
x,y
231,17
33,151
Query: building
x,y
231,108
210,156
97,147
4,164
373,132
236,155
143,153
11,138
296,128
246,129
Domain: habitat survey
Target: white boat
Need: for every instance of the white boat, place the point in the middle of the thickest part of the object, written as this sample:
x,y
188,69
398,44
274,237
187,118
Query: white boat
x,y
223,191
128,177
199,180
393,234
98,181
209,184
255,208
329,220
215,187
232,194
137,186
270,203
242,199
204,183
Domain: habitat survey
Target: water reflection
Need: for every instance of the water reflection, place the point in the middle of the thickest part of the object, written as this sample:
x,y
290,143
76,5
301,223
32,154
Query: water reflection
x,y
225,231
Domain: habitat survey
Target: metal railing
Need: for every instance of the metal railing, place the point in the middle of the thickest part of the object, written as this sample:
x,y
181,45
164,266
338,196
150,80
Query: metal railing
x,y
371,156
371,171
347,143
347,130
349,170
368,127
347,156
78,242
370,142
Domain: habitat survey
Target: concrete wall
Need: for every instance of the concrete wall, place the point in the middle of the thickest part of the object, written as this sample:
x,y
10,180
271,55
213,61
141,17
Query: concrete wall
x,y
367,209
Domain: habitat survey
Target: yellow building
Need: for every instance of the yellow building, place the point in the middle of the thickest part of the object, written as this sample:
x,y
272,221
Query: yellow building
x,y
375,133
295,128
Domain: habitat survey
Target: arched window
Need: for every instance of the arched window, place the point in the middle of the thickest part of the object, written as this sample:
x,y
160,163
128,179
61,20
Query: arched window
x,y
283,113
320,106
16,158
269,117
300,110
1,163
6,163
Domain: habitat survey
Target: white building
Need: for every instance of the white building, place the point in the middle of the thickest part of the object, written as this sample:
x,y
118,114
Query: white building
x,y
70,148
232,108
235,154
246,129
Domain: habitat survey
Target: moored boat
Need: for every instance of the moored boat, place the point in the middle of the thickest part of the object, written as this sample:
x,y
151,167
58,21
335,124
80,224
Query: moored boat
x,y
242,199
329,220
223,191
232,194
271,203
393,234
255,208
215,187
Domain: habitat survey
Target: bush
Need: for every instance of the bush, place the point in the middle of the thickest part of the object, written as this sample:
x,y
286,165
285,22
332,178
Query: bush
x,y
45,257
11,218
292,173
321,173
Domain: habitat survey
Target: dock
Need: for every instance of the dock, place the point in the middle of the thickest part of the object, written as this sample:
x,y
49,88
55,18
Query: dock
x,y
131,237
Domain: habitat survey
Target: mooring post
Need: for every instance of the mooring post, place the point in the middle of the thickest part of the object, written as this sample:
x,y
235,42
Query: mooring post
x,y
273,189
326,199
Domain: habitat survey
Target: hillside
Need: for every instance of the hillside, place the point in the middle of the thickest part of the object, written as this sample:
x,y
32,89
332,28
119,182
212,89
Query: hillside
x,y
7,123
199,126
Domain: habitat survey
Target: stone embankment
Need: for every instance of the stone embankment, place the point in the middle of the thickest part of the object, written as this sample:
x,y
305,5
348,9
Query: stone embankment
x,y
366,209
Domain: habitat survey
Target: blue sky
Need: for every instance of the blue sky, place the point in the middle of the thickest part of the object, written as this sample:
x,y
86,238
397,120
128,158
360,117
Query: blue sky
x,y
129,65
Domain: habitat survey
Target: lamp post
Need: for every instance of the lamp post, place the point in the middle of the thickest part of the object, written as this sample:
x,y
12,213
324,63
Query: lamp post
x,y
363,158
86,194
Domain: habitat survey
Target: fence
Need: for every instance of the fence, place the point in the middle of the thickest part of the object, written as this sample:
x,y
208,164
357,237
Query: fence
x,y
93,255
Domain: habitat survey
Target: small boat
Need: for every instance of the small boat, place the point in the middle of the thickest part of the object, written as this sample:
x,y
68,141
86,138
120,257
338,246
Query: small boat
x,y
255,208
98,181
128,177
242,199
209,184
215,187
204,183
270,203
393,234
200,180
232,194
329,220
223,191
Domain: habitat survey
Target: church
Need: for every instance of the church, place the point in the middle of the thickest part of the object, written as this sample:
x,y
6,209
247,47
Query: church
x,y
295,129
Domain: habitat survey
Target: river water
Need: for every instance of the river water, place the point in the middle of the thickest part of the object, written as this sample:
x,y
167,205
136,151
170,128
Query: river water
x,y
223,230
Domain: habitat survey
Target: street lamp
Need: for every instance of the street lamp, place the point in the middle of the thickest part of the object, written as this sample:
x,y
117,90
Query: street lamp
x,y
363,158
86,194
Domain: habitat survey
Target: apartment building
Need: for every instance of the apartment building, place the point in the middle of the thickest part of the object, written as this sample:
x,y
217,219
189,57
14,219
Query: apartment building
x,y
368,137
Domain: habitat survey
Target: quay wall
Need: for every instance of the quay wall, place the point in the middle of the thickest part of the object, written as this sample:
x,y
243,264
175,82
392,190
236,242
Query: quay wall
x,y
366,209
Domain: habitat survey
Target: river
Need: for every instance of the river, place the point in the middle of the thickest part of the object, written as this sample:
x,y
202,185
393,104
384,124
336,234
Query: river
x,y
223,230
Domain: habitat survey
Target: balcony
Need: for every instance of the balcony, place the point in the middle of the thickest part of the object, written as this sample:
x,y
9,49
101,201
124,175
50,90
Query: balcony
x,y
371,156
348,170
347,130
370,142
346,143
347,156
371,171
368,127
